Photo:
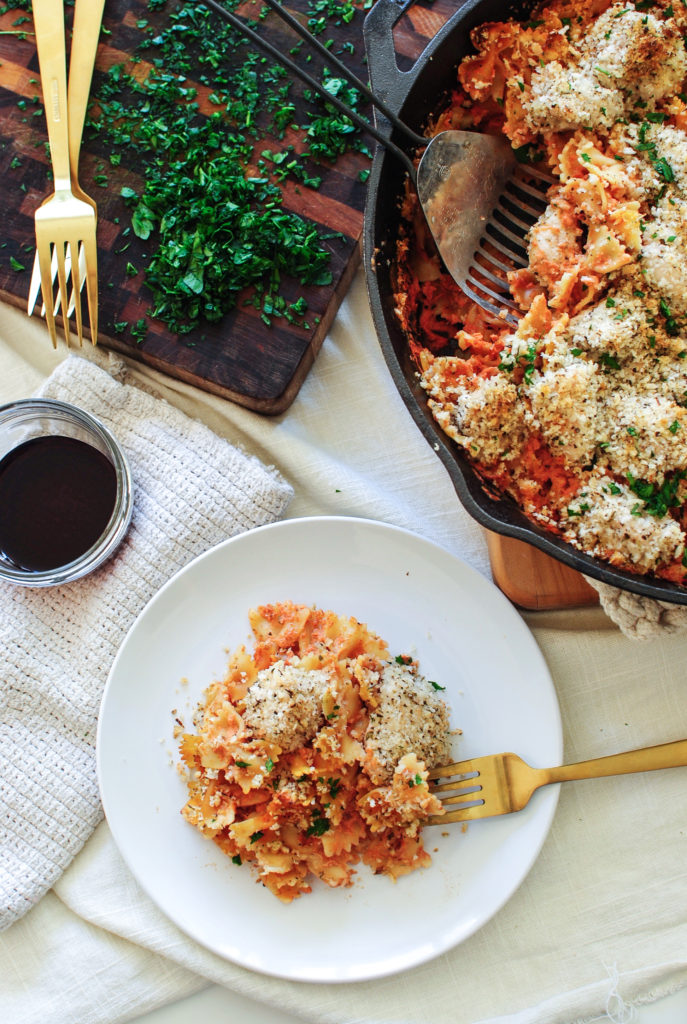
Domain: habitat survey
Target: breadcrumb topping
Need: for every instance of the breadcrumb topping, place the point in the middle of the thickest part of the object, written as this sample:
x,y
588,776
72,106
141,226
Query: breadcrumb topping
x,y
284,704
627,56
311,756
410,716
580,413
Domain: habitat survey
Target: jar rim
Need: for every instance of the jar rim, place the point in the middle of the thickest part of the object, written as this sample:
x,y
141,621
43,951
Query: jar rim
x,y
28,409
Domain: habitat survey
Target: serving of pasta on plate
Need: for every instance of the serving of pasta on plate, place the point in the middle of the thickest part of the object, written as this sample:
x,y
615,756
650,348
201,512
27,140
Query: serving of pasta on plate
x,y
311,754
579,413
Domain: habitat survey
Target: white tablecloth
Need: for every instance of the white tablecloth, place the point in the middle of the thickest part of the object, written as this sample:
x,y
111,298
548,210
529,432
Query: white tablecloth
x,y
601,921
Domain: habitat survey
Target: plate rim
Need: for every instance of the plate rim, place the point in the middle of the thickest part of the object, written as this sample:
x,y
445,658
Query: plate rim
x,y
547,812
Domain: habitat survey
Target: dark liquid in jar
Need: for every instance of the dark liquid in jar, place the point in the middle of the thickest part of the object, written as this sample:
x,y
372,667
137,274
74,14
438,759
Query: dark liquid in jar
x,y
57,495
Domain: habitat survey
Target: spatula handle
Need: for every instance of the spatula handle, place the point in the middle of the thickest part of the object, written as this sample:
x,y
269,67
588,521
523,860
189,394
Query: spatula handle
x,y
646,759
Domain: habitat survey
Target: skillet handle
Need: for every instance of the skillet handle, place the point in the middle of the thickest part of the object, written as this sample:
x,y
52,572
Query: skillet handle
x,y
393,85
387,80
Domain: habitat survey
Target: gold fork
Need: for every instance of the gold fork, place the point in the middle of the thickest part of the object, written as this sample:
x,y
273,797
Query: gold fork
x,y
63,221
88,16
488,786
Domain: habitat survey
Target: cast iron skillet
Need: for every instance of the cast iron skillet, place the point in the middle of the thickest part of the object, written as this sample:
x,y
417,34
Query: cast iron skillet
x,y
414,95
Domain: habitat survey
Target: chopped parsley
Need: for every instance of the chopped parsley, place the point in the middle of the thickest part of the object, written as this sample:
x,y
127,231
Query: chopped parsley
x,y
657,500
672,326
528,154
659,163
334,787
210,206
318,827
527,361
609,361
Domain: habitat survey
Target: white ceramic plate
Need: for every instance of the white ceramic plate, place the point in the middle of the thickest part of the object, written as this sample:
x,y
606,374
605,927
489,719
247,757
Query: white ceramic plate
x,y
420,599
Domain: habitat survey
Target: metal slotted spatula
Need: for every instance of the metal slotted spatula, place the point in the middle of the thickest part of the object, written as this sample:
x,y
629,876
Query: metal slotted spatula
x,y
488,786
479,201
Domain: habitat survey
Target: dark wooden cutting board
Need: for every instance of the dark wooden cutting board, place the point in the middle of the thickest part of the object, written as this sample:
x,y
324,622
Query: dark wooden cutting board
x,y
240,358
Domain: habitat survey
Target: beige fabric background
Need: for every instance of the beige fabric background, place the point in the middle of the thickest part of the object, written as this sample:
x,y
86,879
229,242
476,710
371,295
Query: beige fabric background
x,y
600,922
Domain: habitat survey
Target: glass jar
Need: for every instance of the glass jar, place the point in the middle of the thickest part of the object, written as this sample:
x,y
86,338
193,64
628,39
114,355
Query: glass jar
x,y
58,431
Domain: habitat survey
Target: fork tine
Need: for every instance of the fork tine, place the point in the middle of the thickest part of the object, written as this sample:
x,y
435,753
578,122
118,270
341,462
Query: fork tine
x,y
466,799
469,813
82,277
503,223
35,285
75,299
461,769
67,274
462,790
45,261
62,285
529,171
90,250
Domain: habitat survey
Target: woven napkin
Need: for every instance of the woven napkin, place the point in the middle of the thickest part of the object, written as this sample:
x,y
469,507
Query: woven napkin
x,y
191,490
638,617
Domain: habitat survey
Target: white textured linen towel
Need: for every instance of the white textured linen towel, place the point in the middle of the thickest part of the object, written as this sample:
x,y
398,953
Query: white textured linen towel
x,y
192,489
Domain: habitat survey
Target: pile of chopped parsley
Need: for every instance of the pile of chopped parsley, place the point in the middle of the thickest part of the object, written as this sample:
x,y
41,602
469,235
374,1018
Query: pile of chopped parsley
x,y
212,130
211,201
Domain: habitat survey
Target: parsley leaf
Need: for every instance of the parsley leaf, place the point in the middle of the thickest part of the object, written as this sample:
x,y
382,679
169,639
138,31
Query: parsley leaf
x,y
318,827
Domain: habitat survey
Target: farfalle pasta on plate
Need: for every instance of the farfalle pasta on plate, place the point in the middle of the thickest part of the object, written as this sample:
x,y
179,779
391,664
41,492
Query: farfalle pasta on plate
x,y
312,753
580,413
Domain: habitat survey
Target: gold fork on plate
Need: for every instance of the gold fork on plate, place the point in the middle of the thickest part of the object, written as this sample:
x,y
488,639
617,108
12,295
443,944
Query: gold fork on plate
x,y
485,787
64,221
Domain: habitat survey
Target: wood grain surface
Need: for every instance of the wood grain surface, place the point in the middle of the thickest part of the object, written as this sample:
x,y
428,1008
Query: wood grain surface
x,y
533,580
240,358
